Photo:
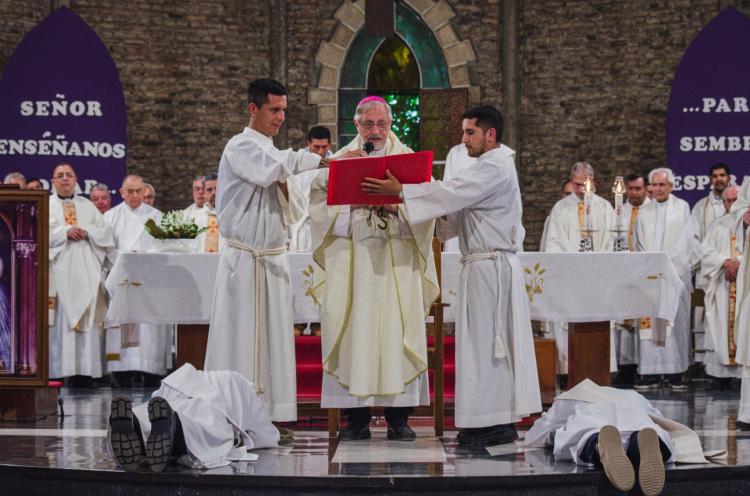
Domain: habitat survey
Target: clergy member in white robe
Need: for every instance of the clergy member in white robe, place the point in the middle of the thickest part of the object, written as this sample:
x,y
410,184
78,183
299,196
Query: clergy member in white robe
x,y
496,374
135,347
567,189
220,415
79,239
720,254
376,281
627,332
565,234
742,317
199,197
456,160
251,328
300,233
664,225
711,207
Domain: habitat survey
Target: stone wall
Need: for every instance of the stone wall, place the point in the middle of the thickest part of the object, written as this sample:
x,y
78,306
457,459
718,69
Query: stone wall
x,y
596,78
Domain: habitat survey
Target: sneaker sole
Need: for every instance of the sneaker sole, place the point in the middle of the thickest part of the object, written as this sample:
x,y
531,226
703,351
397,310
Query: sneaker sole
x,y
617,466
127,446
651,470
160,440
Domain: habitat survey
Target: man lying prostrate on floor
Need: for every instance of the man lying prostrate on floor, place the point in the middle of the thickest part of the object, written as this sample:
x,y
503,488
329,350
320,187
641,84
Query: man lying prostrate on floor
x,y
202,419
617,430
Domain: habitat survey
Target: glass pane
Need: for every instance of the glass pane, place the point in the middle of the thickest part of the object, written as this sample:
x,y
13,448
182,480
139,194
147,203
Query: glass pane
x,y
393,67
405,108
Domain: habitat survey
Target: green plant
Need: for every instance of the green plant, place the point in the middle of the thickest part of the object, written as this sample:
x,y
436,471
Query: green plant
x,y
174,225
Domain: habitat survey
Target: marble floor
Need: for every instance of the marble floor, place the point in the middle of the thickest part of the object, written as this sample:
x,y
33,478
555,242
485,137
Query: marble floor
x,y
78,441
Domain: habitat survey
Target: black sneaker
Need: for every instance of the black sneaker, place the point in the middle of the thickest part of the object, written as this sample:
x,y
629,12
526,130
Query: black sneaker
x,y
743,426
161,439
647,382
401,433
125,441
355,432
487,436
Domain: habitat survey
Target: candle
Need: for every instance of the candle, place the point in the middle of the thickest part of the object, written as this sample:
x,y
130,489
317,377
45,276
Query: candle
x,y
588,198
618,189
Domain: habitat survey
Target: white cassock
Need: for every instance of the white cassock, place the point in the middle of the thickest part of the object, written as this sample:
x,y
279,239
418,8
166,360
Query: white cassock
x,y
251,328
375,286
457,159
221,415
627,337
75,335
742,319
136,347
704,212
191,211
564,235
496,374
300,234
716,248
666,227
581,412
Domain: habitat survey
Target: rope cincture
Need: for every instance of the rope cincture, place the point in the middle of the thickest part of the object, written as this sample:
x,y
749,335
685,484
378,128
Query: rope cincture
x,y
258,255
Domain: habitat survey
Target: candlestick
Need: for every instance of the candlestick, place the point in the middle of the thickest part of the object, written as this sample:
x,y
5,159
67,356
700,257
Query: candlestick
x,y
619,189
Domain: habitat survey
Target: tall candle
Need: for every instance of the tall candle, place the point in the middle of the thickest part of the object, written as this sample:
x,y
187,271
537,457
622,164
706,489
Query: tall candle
x,y
588,198
618,189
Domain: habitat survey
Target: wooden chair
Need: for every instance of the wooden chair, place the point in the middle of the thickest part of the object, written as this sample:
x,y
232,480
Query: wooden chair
x,y
435,359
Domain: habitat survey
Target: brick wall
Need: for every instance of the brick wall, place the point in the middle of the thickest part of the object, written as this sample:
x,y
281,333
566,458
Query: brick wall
x,y
596,78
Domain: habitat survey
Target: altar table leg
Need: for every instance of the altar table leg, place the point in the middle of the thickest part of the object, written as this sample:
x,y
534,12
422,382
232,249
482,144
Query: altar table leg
x,y
191,345
588,353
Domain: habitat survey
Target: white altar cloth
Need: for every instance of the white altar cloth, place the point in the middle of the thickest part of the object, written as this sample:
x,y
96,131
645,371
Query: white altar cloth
x,y
164,288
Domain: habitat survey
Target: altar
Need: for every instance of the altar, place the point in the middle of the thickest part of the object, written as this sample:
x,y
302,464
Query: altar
x,y
580,288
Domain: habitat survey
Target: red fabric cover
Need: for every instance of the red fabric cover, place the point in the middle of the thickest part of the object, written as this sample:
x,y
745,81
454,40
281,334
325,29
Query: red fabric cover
x,y
310,368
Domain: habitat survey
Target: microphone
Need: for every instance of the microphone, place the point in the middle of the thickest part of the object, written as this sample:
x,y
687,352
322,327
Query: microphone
x,y
368,147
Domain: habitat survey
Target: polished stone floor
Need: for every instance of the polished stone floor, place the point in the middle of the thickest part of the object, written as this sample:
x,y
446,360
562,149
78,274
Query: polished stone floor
x,y
78,441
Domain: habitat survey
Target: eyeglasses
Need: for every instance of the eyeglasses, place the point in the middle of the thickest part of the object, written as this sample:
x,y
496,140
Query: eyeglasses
x,y
63,175
370,125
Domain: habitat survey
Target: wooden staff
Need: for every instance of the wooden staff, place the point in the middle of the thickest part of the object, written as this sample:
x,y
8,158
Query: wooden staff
x,y
732,307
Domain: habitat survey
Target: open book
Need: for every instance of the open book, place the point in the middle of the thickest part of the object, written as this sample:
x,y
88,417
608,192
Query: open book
x,y
346,176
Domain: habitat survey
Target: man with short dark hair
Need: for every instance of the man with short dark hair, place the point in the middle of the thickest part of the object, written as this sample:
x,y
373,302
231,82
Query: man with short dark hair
x,y
711,207
34,184
251,318
496,374
319,141
209,190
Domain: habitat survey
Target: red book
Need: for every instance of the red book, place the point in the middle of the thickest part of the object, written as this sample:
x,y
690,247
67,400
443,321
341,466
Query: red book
x,y
345,176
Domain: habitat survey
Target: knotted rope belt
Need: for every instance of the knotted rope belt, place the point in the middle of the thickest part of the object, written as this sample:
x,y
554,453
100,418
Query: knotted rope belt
x,y
500,350
258,256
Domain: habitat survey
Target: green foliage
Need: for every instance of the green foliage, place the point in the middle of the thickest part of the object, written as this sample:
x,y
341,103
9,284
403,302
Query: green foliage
x,y
174,225
405,107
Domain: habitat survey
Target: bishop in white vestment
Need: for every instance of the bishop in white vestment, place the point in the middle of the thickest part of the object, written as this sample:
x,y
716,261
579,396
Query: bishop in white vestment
x,y
564,233
135,347
720,253
375,281
496,375
79,240
251,328
664,225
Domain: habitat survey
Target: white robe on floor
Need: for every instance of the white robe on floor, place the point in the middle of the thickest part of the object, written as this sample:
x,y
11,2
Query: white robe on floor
x,y
457,159
666,226
152,353
563,235
715,250
376,287
75,335
221,415
496,374
252,280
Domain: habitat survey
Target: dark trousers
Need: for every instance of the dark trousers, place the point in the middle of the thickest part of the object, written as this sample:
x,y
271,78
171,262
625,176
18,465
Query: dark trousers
x,y
589,454
394,415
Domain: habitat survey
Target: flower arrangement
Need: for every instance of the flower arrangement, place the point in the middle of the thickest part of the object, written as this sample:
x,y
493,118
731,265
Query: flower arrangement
x,y
174,225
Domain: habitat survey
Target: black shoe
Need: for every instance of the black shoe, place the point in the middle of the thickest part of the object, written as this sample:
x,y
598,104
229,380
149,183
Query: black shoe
x,y
401,433
487,436
355,432
126,443
648,382
743,426
161,439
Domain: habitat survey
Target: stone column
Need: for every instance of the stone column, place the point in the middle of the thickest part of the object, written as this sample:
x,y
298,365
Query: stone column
x,y
510,60
277,54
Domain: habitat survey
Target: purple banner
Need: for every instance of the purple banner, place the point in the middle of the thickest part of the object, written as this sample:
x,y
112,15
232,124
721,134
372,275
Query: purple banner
x,y
708,119
61,100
